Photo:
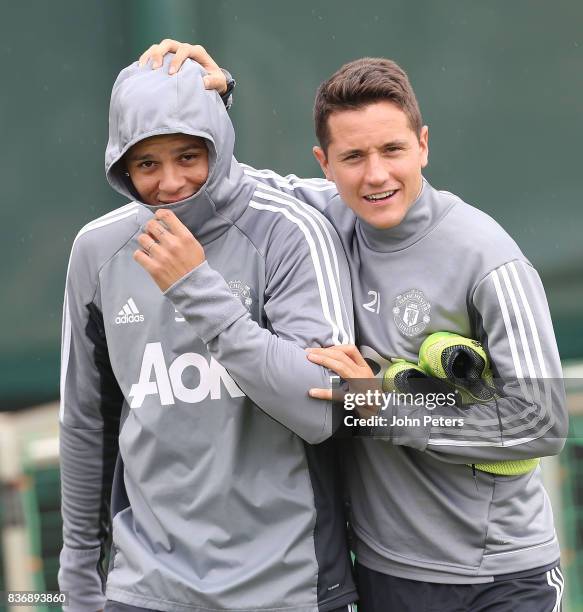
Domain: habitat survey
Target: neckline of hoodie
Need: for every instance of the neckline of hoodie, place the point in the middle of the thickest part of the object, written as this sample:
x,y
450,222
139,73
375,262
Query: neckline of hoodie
x,y
422,218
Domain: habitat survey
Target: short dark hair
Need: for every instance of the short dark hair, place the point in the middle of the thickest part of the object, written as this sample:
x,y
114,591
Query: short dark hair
x,y
362,82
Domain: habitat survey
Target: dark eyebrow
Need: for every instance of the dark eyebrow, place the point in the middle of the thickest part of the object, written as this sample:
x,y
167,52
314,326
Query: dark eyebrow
x,y
350,152
395,143
386,145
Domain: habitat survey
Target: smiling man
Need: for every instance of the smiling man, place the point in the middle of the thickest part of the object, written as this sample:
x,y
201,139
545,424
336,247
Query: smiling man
x,y
168,168
184,380
355,147
432,531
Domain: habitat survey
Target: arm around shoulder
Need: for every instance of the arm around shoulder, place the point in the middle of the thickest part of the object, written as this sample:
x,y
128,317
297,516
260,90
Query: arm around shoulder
x,y
307,303
315,192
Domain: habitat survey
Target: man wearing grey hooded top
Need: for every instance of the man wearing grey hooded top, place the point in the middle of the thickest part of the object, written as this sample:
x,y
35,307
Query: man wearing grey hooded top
x,y
224,494
432,532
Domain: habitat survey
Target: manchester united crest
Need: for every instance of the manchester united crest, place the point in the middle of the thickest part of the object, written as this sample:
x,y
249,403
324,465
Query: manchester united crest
x,y
411,312
242,291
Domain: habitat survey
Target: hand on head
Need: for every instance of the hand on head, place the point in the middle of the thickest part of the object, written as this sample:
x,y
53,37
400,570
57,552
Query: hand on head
x,y
215,79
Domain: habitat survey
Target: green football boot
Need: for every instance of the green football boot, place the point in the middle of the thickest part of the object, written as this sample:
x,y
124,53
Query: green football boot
x,y
464,364
400,376
460,361
405,377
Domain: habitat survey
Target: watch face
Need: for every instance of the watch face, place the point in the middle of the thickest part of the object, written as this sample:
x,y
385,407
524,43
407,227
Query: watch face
x,y
230,86
230,82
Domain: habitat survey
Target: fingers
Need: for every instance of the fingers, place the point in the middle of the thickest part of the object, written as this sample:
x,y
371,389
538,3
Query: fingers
x,y
148,244
353,352
171,222
157,239
158,231
182,53
216,80
154,268
195,52
157,52
330,351
323,394
200,55
333,352
168,250
143,60
346,349
144,260
340,366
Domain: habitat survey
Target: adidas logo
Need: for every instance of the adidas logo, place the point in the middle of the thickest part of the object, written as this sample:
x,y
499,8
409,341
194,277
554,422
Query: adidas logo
x,y
129,314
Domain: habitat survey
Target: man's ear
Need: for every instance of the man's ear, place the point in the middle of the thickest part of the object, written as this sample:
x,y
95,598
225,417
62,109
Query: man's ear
x,y
424,146
321,158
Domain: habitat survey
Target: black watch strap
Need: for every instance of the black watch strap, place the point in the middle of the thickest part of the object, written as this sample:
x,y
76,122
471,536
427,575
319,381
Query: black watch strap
x,y
227,97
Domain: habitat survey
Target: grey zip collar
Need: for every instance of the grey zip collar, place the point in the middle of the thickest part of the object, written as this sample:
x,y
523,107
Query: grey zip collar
x,y
420,219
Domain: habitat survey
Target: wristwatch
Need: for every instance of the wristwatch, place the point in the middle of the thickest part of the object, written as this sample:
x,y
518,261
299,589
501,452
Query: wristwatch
x,y
227,97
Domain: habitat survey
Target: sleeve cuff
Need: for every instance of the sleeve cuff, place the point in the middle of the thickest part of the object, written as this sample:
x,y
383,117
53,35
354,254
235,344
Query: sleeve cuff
x,y
79,577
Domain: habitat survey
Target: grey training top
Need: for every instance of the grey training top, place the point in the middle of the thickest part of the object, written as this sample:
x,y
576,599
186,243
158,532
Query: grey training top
x,y
225,491
416,509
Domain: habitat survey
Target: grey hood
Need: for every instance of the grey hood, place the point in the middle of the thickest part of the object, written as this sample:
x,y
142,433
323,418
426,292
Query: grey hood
x,y
146,102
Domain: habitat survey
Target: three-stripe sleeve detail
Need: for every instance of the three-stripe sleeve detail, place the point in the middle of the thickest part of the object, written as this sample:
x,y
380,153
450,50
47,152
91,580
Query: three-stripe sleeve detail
x,y
529,364
317,221
291,181
322,249
529,369
531,320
